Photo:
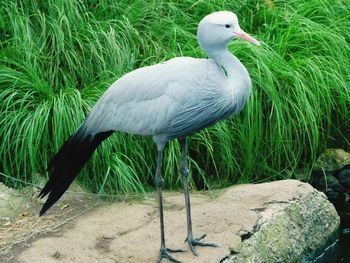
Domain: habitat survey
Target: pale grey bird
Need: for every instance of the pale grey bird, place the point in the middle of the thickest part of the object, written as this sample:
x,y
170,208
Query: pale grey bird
x,y
167,101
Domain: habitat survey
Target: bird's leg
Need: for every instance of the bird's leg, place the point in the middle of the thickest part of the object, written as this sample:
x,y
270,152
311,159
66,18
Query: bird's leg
x,y
164,251
184,171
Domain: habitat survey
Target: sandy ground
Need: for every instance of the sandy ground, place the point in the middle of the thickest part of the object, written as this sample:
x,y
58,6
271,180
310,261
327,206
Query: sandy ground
x,y
129,231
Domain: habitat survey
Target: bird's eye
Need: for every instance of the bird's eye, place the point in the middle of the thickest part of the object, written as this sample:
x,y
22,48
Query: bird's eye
x,y
227,26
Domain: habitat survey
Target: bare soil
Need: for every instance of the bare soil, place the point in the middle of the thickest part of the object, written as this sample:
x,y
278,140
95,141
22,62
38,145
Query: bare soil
x,y
25,226
82,229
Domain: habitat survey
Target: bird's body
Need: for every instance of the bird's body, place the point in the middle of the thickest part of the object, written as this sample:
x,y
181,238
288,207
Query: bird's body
x,y
166,101
154,101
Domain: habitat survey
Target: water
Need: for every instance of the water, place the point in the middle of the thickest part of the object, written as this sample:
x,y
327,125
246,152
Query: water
x,y
337,252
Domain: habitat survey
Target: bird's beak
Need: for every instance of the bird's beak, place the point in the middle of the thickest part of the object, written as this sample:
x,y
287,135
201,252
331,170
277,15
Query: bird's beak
x,y
243,35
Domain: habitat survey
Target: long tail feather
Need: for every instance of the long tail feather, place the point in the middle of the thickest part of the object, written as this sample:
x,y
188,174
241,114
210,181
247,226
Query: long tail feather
x,y
68,162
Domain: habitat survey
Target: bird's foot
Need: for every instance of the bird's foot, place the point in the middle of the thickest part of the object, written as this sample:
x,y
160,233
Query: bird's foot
x,y
164,253
197,242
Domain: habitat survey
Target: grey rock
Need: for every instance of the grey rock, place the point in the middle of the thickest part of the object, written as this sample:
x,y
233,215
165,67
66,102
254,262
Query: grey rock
x,y
324,182
344,177
290,232
333,159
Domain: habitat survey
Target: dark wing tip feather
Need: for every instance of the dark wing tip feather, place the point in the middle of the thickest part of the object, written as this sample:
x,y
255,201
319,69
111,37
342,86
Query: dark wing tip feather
x,y
55,194
67,163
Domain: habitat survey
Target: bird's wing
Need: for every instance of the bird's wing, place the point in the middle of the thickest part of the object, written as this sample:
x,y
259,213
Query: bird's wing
x,y
146,100
208,109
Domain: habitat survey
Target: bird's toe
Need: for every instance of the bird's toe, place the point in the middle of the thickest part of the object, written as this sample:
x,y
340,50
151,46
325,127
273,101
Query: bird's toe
x,y
193,242
164,253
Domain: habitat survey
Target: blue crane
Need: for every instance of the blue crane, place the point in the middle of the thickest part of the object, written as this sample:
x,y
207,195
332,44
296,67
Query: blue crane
x,y
169,100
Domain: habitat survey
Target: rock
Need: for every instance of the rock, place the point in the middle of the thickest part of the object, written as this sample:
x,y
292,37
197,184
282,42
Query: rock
x,y
331,175
289,231
338,199
282,221
333,159
344,177
324,181
10,202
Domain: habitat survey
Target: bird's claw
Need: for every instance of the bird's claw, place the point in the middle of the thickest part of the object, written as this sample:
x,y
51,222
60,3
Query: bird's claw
x,y
197,242
164,253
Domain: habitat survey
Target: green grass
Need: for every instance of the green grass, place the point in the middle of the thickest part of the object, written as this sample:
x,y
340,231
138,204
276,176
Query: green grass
x,y
57,58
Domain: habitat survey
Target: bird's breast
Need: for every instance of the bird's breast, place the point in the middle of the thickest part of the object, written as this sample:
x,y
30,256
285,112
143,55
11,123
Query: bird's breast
x,y
236,90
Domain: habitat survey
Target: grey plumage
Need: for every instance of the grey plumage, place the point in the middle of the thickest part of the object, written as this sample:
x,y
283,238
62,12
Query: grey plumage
x,y
167,101
155,101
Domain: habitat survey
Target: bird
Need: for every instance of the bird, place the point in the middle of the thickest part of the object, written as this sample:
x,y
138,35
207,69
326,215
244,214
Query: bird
x,y
168,101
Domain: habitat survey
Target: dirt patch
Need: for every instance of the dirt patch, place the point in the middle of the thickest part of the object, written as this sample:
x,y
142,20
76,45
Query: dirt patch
x,y
20,230
103,243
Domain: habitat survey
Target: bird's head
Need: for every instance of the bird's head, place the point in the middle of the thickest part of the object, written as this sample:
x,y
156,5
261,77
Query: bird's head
x,y
218,29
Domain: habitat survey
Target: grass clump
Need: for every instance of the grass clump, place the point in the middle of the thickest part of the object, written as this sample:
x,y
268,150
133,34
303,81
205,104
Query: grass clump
x,y
57,58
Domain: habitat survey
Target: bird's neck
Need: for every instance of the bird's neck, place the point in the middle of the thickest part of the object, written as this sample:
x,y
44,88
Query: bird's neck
x,y
238,79
230,63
